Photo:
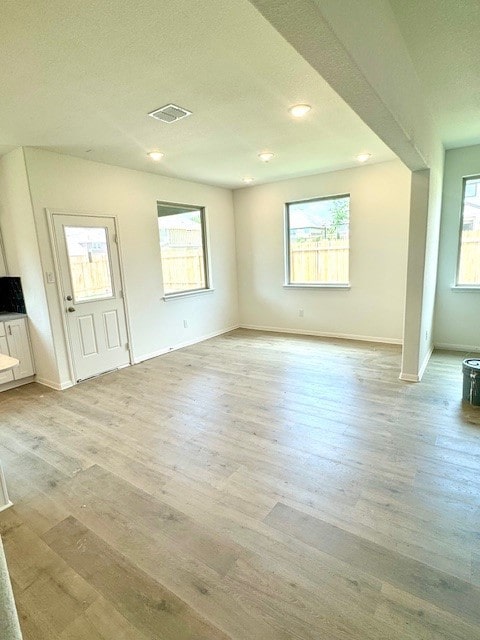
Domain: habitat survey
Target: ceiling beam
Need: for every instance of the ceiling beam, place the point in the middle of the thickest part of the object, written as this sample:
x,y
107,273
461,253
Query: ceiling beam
x,y
358,49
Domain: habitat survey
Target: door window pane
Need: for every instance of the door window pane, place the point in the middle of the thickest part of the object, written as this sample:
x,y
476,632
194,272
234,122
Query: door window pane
x,y
89,261
182,247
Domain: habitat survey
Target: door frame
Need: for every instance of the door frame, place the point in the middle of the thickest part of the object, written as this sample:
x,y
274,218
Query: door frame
x,y
59,288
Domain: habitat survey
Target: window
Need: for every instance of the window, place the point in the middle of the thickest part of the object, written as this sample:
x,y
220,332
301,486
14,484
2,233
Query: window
x,y
318,241
182,247
468,271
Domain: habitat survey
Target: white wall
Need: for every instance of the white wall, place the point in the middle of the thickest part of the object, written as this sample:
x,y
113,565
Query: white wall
x,y
358,48
379,208
457,324
425,206
23,258
3,260
63,183
431,262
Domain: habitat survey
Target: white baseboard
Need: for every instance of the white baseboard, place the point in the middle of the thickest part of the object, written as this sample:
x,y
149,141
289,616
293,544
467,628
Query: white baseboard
x,y
425,362
13,384
408,377
324,334
6,505
136,360
181,345
58,386
467,348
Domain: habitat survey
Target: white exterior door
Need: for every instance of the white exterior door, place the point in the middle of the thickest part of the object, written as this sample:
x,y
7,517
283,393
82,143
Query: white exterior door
x,y
92,293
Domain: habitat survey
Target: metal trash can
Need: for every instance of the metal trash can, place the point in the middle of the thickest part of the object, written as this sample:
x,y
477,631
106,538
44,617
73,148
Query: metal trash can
x,y
471,381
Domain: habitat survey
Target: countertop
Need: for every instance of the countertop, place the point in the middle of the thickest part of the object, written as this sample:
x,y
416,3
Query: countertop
x,y
7,362
5,316
9,627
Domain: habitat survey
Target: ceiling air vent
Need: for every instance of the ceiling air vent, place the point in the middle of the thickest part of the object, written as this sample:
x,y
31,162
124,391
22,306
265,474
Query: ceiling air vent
x,y
170,113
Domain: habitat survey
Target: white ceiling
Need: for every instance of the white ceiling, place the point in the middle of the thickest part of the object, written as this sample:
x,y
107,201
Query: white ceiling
x,y
79,77
5,148
443,39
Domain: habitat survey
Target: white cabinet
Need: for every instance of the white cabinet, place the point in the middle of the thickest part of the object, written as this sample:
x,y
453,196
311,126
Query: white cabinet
x,y
5,376
19,347
15,342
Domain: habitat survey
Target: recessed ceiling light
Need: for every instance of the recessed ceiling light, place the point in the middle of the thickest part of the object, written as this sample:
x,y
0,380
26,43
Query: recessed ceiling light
x,y
363,157
266,156
156,156
248,179
299,110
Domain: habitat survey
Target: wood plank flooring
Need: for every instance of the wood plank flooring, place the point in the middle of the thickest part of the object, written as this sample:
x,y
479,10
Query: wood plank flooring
x,y
255,486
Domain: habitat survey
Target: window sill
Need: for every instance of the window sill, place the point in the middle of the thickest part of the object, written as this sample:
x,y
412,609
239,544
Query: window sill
x,y
459,287
186,294
317,286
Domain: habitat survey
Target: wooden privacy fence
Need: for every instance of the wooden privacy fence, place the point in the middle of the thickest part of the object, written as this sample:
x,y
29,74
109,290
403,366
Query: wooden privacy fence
x,y
90,276
177,238
323,261
469,267
183,268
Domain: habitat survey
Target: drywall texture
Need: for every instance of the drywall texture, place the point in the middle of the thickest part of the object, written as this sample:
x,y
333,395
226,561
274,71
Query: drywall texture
x,y
71,185
374,305
23,259
425,206
457,311
357,47
3,261
431,263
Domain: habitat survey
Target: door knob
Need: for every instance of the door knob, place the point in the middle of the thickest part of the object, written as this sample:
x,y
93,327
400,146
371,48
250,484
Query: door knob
x,y
71,309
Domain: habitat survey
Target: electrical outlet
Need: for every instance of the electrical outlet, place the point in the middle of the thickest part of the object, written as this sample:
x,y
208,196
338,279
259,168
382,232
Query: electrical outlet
x,y
426,335
300,313
50,277
185,324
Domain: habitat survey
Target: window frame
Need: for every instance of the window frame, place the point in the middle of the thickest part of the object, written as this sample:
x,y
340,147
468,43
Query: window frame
x,y
205,244
287,262
457,285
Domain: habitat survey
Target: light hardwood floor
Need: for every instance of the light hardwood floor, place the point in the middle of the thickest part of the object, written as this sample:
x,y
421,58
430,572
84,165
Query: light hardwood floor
x,y
254,486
